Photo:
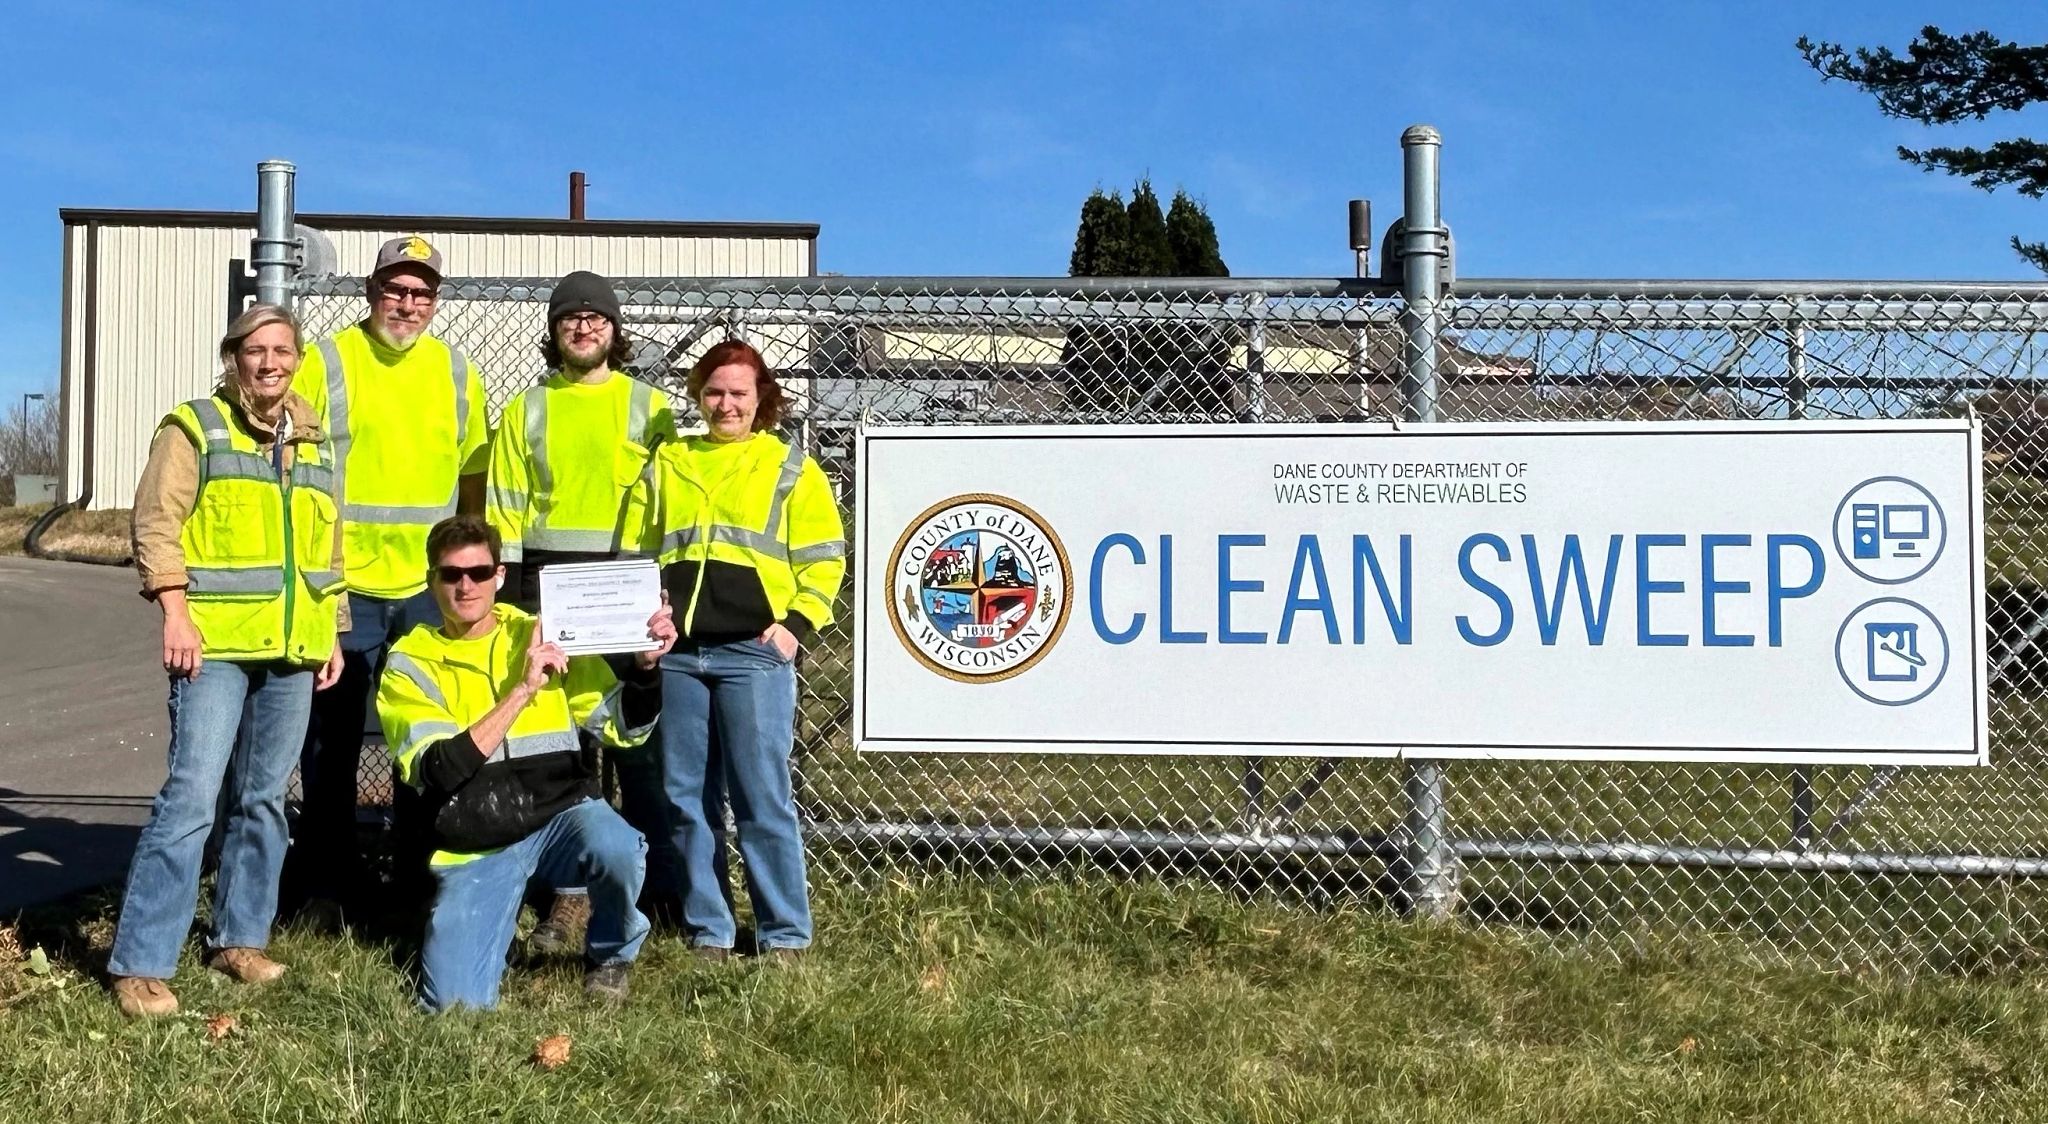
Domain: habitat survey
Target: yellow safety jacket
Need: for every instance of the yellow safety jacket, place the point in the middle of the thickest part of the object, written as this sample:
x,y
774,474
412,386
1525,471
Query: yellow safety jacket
x,y
434,688
763,505
259,547
405,426
565,456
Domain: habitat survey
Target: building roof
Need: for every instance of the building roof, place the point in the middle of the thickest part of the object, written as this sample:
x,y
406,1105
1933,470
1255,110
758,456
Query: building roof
x,y
448,224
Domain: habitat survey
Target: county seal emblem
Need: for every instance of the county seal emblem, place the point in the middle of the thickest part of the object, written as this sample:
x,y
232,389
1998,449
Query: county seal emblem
x,y
978,588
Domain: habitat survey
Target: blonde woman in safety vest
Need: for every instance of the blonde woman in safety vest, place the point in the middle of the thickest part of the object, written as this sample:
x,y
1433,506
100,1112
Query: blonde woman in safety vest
x,y
564,457
238,542
752,552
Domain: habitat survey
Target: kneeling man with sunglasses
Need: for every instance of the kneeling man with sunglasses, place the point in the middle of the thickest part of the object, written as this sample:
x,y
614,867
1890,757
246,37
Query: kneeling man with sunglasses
x,y
481,716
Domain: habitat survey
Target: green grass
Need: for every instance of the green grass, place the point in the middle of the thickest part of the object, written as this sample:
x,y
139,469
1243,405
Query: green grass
x,y
2015,529
91,534
934,999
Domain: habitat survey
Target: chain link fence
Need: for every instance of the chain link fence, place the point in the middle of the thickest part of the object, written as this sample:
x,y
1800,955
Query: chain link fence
x,y
1927,867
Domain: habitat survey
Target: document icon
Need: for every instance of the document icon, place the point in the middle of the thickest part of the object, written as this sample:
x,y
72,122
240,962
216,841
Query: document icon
x,y
1893,651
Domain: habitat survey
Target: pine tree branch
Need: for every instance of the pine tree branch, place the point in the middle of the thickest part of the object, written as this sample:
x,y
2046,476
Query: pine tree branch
x,y
2020,163
2035,253
1942,79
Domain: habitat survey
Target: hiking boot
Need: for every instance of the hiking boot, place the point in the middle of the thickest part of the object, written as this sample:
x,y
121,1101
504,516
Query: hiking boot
x,y
710,954
607,982
140,997
562,932
248,965
783,957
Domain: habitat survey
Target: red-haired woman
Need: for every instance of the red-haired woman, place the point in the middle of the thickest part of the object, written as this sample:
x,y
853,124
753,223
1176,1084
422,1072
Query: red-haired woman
x,y
752,553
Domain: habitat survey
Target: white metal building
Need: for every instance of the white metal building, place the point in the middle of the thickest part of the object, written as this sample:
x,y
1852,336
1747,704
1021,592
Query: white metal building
x,y
146,294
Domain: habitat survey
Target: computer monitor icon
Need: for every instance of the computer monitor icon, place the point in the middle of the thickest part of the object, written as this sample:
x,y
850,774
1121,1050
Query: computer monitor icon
x,y
1907,525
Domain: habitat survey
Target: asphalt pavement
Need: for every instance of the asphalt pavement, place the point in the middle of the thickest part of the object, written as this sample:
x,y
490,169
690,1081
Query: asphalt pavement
x,y
83,726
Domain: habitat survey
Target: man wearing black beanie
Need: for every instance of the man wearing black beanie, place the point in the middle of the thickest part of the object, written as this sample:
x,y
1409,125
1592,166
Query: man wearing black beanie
x,y
564,454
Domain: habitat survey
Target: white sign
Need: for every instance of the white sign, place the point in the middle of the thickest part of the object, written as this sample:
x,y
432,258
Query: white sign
x,y
1737,591
600,607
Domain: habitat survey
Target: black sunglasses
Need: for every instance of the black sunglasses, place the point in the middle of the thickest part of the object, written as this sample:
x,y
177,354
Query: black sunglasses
x,y
450,575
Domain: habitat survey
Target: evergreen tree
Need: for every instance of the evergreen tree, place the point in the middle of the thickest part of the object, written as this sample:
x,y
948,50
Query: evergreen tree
x,y
1151,254
1944,79
1192,237
1102,241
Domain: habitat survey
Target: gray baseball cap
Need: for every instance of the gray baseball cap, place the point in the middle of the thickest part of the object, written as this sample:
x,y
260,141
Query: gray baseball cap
x,y
412,250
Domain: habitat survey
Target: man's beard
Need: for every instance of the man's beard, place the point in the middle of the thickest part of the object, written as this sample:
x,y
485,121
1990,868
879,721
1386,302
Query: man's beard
x,y
590,360
396,342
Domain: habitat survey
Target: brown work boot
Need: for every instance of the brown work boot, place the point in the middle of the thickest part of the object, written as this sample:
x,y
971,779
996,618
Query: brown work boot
x,y
562,932
140,997
710,953
248,965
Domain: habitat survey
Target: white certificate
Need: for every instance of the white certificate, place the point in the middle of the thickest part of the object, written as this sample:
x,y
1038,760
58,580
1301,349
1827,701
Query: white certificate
x,y
599,607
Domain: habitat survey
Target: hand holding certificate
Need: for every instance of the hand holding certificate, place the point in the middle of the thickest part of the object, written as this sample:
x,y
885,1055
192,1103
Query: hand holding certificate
x,y
589,608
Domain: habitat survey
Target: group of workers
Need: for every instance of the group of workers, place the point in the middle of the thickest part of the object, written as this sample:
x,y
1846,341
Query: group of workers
x,y
338,543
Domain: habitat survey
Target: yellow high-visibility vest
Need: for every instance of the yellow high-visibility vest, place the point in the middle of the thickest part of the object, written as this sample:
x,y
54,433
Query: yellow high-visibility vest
x,y
435,687
763,504
259,548
564,457
405,427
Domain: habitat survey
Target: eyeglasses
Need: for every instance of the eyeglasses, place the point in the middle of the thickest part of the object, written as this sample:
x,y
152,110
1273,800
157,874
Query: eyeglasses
x,y
583,321
399,294
453,575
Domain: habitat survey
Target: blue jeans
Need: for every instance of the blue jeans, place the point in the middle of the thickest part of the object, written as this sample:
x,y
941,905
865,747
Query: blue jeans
x,y
324,860
251,716
728,718
477,903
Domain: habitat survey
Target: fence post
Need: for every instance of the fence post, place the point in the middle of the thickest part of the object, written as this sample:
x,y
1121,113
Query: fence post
x,y
1432,888
272,251
1795,409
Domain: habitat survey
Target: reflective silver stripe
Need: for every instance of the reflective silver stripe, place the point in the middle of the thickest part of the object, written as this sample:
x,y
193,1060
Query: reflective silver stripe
x,y
534,745
819,553
209,581
213,423
603,712
323,580
511,552
459,365
676,540
397,516
239,466
337,414
537,440
420,734
505,498
551,538
410,668
792,467
638,404
731,536
318,477
337,394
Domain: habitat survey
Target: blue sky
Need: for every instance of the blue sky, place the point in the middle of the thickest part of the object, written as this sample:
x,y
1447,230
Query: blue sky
x,y
1581,140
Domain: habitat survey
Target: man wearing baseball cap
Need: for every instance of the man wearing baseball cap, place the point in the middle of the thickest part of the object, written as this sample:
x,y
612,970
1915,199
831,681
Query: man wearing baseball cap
x,y
565,453
405,412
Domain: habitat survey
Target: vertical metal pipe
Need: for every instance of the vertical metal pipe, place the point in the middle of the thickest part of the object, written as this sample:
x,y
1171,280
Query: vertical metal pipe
x,y
1432,888
1795,371
1425,244
577,186
1795,409
273,252
1254,780
1255,357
